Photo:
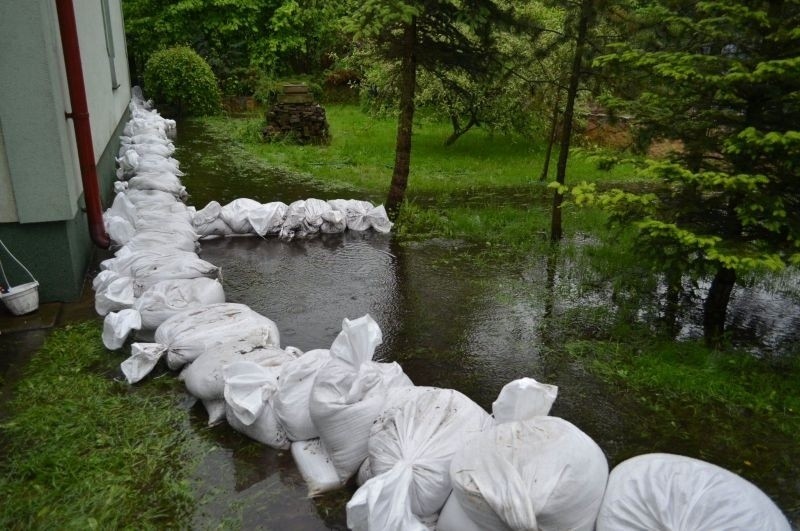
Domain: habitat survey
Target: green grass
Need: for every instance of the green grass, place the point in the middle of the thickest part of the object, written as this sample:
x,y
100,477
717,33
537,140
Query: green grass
x,y
484,188
83,451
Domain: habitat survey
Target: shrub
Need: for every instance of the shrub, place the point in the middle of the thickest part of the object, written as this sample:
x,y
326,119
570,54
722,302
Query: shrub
x,y
267,90
180,78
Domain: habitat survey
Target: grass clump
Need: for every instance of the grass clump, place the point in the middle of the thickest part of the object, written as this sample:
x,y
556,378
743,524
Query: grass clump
x,y
83,451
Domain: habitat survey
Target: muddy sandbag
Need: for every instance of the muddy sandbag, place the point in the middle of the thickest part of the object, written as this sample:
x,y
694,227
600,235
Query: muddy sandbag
x,y
293,220
188,335
540,473
148,240
126,260
113,292
315,466
378,219
204,376
294,392
170,267
249,389
349,392
411,445
355,212
314,212
333,222
665,491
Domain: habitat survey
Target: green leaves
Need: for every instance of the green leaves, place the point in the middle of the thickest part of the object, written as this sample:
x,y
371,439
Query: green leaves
x,y
181,78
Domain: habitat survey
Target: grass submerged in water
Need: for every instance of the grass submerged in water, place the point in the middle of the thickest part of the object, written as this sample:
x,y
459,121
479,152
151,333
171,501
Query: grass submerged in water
x,y
83,451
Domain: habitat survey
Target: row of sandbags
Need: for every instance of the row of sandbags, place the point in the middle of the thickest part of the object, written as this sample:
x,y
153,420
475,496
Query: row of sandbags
x,y
424,457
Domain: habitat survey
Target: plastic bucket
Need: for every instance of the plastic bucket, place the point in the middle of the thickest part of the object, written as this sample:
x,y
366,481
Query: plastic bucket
x,y
22,299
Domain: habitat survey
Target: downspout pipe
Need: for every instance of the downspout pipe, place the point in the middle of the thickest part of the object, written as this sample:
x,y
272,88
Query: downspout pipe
x,y
80,121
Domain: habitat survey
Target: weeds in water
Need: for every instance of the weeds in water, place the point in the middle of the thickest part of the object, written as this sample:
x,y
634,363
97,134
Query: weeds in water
x,y
83,451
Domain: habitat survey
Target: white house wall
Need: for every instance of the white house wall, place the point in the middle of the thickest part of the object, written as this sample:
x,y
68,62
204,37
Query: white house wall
x,y
106,106
40,149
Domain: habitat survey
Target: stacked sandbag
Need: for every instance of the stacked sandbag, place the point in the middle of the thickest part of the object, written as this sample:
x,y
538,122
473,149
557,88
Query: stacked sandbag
x,y
665,491
410,447
347,396
184,337
300,219
294,392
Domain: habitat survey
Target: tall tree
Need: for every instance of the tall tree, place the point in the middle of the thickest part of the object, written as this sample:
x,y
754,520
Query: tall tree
x,y
435,35
722,79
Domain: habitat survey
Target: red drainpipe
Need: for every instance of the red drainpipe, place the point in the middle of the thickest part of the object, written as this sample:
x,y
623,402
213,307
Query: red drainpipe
x,y
80,120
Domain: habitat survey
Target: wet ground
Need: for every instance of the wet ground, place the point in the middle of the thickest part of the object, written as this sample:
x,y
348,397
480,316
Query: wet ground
x,y
452,318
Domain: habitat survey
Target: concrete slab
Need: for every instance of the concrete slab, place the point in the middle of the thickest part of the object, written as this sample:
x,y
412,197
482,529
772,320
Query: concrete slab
x,y
44,317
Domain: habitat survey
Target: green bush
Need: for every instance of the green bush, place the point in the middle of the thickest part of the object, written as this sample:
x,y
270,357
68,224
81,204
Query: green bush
x,y
180,78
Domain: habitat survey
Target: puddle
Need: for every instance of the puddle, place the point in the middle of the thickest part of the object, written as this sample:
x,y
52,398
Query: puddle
x,y
451,321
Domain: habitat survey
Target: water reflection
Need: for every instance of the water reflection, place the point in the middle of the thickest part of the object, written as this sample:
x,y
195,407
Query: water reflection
x,y
451,320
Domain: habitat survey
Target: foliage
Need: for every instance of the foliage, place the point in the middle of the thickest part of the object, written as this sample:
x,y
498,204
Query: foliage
x,y
181,78
242,40
267,89
84,451
721,81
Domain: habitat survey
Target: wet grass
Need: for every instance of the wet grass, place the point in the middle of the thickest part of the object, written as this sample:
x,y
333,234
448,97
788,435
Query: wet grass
x,y
484,188
83,451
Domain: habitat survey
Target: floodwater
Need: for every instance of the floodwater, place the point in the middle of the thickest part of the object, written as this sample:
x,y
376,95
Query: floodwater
x,y
454,320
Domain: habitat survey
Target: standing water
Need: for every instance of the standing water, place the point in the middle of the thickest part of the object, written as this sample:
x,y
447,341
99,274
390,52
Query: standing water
x,y
450,321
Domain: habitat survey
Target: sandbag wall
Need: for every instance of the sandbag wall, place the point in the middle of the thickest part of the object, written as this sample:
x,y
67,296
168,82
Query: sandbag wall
x,y
422,456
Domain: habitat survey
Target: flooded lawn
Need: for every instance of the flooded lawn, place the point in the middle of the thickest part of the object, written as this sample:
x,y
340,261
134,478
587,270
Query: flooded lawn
x,y
451,318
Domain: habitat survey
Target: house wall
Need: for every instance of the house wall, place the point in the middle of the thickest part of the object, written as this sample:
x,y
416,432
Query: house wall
x,y
42,213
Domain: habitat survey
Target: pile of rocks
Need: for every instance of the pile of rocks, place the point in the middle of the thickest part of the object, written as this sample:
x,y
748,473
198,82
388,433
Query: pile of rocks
x,y
295,116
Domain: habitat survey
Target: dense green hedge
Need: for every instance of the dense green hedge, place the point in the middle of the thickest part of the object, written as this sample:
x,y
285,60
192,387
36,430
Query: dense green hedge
x,y
180,78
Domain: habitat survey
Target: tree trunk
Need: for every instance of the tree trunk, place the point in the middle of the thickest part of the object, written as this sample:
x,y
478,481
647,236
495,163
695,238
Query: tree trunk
x,y
715,306
402,153
551,137
569,111
458,131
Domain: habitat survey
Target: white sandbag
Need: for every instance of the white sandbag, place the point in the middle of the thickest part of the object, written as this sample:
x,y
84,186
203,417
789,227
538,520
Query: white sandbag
x,y
119,230
204,376
355,212
186,336
164,150
117,326
158,181
235,213
540,473
128,162
315,209
378,219
169,297
124,208
523,399
150,198
149,240
411,445
249,389
267,219
207,222
293,221
665,491
120,187
125,260
315,466
170,267
145,138
173,224
294,392
349,391
333,222
153,163
115,295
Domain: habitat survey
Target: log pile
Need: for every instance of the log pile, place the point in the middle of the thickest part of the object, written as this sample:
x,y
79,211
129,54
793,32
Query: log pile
x,y
296,117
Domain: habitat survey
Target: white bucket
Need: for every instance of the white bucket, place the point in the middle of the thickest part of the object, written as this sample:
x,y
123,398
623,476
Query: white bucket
x,y
22,299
